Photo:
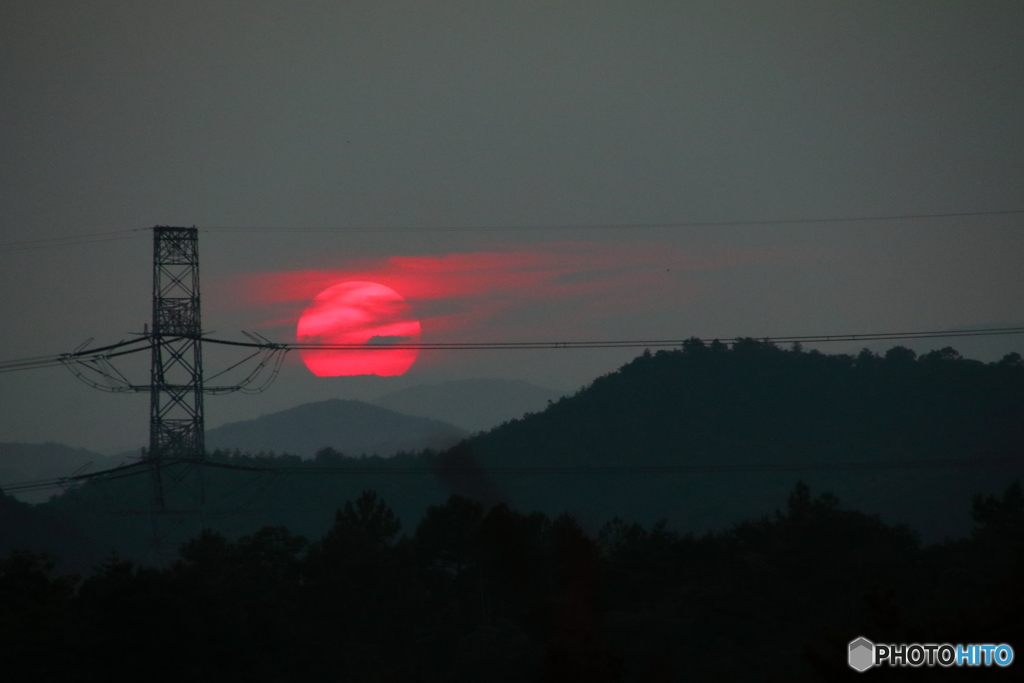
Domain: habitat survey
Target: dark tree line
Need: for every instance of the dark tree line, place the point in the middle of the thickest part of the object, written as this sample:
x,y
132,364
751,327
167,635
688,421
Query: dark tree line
x,y
493,594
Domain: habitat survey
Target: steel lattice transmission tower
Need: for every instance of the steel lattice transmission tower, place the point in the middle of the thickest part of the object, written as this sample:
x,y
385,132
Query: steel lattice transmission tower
x,y
176,429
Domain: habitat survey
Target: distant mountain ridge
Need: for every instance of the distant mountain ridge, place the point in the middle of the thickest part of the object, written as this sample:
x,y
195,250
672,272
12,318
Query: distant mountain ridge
x,y
352,427
473,404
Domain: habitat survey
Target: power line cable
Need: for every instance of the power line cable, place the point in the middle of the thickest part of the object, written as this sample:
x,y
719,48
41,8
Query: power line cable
x,y
133,469
623,226
130,233
80,356
621,343
72,240
625,469
107,352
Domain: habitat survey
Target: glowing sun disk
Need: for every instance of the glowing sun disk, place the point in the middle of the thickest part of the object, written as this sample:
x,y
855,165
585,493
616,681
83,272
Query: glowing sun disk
x,y
361,313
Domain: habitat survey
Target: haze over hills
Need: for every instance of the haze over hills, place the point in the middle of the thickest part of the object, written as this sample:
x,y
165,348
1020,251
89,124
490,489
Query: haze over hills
x,y
351,427
348,426
472,404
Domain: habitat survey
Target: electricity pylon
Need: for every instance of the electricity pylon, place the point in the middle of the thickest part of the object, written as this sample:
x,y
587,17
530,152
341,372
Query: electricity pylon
x,y
176,429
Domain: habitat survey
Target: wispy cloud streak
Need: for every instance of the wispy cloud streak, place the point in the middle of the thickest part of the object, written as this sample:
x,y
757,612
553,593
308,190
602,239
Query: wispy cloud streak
x,y
544,288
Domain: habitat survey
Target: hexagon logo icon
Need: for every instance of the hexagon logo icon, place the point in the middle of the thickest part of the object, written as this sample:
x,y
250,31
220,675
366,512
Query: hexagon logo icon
x,y
862,654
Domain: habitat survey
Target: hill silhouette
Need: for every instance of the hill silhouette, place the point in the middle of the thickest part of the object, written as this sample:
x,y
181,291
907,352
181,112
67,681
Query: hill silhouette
x,y
852,425
350,427
472,404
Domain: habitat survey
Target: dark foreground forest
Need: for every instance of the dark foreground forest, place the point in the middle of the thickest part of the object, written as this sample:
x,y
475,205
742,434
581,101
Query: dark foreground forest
x,y
475,594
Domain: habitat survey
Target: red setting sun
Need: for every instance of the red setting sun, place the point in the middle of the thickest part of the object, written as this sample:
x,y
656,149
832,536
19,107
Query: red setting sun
x,y
359,313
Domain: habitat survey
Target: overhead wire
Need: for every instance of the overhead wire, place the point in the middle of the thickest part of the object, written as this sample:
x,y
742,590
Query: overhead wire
x,y
78,356
273,357
130,233
59,482
622,469
619,343
718,468
99,353
72,240
624,226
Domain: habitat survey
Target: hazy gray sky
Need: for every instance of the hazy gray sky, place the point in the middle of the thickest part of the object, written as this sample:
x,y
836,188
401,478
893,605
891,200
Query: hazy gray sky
x,y
369,117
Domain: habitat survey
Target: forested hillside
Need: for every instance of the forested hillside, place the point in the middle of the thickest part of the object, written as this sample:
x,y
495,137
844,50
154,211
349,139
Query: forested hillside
x,y
910,438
